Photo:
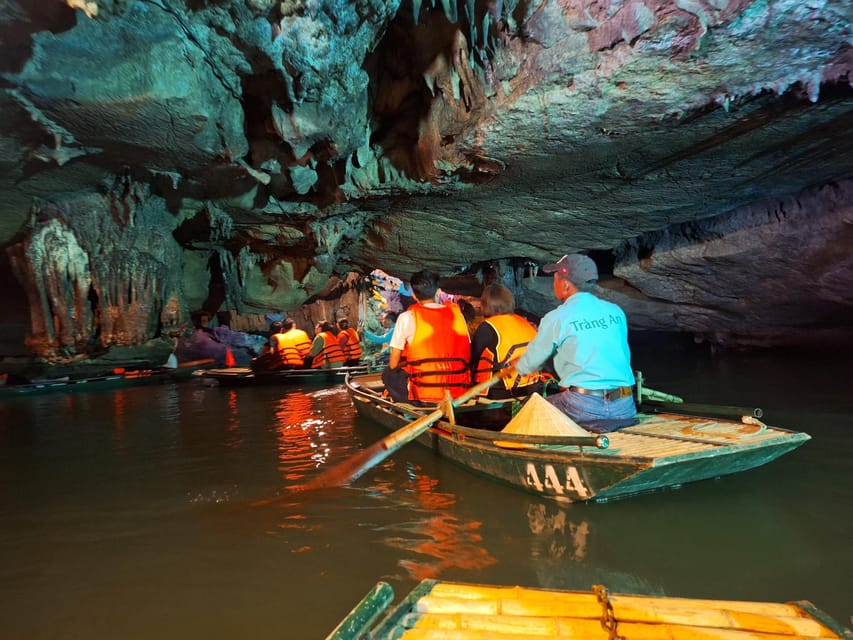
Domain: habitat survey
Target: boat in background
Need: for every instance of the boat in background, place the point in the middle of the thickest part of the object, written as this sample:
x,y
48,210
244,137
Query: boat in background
x,y
440,610
662,449
118,378
246,376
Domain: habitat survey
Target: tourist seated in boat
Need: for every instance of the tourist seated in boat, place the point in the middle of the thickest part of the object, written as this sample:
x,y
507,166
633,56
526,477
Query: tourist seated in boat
x,y
387,320
349,342
587,337
430,348
501,337
325,352
290,345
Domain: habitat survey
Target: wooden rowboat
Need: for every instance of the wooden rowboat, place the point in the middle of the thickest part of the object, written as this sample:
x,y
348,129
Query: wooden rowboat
x,y
439,610
116,379
245,376
662,450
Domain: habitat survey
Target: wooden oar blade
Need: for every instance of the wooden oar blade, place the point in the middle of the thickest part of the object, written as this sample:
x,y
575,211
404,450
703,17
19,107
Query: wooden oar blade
x,y
355,466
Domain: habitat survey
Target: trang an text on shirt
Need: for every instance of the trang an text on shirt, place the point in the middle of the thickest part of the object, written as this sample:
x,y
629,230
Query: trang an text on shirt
x,y
599,323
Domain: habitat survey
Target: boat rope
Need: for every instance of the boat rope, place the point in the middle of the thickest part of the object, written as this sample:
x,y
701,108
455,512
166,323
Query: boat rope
x,y
608,619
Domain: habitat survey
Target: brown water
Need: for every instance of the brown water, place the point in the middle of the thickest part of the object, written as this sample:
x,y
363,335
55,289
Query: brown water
x,y
128,514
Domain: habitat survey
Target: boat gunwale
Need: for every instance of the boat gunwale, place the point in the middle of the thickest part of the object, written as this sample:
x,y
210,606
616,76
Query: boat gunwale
x,y
368,395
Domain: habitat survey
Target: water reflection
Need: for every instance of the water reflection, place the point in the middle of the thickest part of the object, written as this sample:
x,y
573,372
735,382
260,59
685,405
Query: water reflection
x,y
233,410
441,540
301,436
555,536
561,553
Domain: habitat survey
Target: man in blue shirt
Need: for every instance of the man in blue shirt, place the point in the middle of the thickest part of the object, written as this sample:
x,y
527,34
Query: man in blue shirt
x,y
588,339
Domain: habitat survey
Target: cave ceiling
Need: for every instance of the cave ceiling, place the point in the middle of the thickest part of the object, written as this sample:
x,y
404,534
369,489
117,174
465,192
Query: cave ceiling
x,y
699,149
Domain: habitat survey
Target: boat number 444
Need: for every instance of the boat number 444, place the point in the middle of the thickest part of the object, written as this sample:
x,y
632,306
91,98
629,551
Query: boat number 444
x,y
548,479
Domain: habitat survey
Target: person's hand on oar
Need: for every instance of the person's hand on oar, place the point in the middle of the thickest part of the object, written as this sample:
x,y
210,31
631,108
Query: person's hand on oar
x,y
354,467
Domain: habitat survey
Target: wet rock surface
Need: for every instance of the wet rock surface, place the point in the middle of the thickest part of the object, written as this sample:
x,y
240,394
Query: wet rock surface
x,y
164,156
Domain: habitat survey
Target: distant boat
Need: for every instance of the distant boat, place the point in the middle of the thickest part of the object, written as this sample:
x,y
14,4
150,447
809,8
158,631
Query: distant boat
x,y
246,376
118,378
663,449
440,610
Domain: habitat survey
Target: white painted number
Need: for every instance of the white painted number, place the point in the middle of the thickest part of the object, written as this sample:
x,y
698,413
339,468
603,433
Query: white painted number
x,y
550,481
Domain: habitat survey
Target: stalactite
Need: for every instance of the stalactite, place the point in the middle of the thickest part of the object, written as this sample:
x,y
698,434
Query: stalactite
x,y
221,224
56,272
98,271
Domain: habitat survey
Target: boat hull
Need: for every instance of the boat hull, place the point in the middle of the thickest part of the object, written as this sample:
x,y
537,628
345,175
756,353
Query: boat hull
x,y
440,610
245,376
107,382
663,450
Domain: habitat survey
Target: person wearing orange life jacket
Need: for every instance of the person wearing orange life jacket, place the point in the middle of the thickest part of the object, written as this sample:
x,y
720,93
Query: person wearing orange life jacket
x,y
290,344
349,342
430,348
502,337
325,352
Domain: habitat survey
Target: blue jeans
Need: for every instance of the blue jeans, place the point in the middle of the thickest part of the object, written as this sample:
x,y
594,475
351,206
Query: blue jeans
x,y
582,407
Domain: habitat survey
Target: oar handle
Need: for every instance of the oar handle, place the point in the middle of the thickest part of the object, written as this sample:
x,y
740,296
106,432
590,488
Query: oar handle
x,y
706,410
413,429
404,434
478,388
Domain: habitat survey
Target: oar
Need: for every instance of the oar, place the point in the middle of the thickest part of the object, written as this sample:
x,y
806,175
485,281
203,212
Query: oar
x,y
357,465
702,410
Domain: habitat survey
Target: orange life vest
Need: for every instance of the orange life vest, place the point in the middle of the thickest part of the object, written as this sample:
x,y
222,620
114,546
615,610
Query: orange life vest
x,y
352,349
292,346
514,332
437,356
331,352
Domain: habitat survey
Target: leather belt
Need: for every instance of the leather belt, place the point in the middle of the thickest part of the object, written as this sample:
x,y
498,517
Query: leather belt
x,y
607,394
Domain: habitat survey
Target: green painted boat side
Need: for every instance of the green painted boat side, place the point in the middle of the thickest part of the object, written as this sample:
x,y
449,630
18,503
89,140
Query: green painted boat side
x,y
105,382
662,451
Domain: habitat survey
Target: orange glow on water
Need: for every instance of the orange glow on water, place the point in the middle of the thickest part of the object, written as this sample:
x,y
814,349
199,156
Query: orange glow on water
x,y
233,410
301,435
450,542
119,409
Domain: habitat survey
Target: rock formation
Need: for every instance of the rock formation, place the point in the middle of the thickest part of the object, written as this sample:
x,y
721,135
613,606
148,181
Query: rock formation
x,y
246,156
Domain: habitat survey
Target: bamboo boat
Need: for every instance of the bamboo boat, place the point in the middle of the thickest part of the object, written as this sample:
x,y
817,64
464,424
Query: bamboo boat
x,y
663,449
439,610
246,376
118,378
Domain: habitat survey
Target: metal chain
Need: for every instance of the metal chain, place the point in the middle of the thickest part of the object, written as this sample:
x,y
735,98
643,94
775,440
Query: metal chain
x,y
608,619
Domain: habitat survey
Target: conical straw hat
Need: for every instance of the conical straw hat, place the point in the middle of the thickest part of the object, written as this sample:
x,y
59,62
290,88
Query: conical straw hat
x,y
539,417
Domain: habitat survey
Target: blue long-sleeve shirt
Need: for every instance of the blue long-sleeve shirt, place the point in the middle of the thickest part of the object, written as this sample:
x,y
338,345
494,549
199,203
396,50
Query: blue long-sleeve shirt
x,y
588,338
381,338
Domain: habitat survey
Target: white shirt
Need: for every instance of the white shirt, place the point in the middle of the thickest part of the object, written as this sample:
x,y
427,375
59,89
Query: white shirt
x,y
404,330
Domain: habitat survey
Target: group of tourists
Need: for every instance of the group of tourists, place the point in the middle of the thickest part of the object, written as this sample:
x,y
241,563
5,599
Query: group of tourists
x,y
582,345
578,356
331,348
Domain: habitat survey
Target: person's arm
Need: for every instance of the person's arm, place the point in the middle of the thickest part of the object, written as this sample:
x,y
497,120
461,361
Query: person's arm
x,y
484,337
539,349
402,330
317,346
375,337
